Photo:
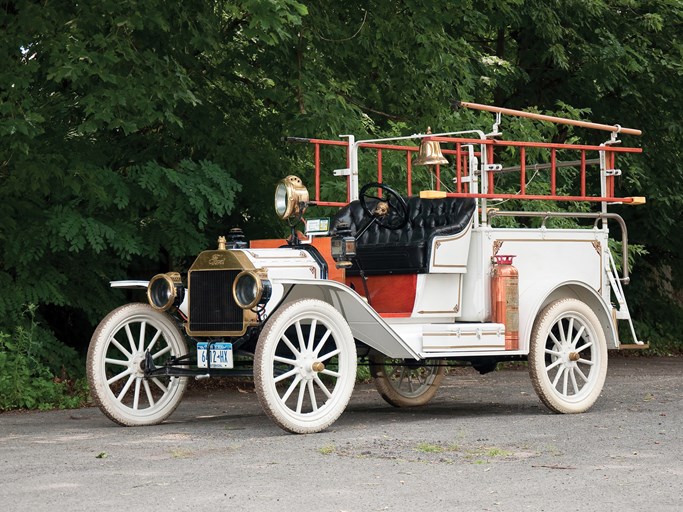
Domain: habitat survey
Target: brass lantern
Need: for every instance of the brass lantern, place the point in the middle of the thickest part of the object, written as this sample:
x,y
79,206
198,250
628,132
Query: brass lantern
x,y
289,194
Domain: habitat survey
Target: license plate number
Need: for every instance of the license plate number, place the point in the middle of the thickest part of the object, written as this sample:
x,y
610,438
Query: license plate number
x,y
221,355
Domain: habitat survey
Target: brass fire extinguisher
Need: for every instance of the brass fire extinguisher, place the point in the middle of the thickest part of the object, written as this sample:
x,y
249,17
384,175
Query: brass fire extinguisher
x,y
505,298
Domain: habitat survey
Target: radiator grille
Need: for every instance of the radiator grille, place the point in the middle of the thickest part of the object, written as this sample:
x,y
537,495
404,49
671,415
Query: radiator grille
x,y
212,307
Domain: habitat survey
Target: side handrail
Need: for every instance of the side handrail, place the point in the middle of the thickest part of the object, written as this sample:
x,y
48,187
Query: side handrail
x,y
581,215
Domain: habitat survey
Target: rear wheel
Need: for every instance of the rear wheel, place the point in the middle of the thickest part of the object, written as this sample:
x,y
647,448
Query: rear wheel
x,y
305,366
568,356
406,383
116,365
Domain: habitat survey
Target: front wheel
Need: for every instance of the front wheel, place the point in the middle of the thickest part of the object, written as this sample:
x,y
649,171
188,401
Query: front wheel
x,y
116,365
404,383
305,366
568,356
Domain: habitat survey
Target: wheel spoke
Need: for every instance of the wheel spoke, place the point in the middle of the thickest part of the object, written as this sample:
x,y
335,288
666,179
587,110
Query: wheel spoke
x,y
300,336
329,355
565,380
160,384
286,375
163,351
141,341
300,400
118,362
131,341
586,361
570,329
574,383
557,376
553,364
321,343
136,395
336,375
581,374
555,353
311,394
153,342
322,386
148,392
125,389
578,335
284,360
557,342
291,388
120,347
584,346
311,335
290,345
561,329
120,376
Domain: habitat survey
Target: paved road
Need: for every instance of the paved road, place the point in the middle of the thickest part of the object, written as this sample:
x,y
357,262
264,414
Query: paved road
x,y
485,443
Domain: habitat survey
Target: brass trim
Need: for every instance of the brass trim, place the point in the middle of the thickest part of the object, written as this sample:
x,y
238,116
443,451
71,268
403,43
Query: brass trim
x,y
221,260
469,347
258,275
299,254
461,334
225,260
250,320
498,243
171,279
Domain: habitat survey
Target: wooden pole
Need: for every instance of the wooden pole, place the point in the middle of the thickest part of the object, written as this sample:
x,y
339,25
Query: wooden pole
x,y
552,119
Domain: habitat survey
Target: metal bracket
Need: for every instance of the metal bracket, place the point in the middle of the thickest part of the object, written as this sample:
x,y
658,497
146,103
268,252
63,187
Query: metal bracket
x,y
342,172
612,172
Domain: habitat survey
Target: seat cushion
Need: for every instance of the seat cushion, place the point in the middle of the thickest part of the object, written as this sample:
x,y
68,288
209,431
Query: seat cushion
x,y
406,250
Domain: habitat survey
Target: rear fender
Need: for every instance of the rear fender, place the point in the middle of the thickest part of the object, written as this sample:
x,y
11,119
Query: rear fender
x,y
590,297
366,325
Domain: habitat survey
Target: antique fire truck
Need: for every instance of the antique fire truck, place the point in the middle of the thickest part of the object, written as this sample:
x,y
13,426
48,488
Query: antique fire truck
x,y
409,283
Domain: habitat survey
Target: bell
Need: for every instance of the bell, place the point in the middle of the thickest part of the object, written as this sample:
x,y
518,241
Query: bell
x,y
430,153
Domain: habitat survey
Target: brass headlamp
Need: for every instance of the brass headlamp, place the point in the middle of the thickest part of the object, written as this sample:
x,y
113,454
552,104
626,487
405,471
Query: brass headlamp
x,y
290,196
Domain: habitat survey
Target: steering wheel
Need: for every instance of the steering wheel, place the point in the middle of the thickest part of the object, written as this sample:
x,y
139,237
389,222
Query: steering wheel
x,y
384,205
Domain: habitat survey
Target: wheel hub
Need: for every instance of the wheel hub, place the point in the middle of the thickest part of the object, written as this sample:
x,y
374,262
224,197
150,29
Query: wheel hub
x,y
137,364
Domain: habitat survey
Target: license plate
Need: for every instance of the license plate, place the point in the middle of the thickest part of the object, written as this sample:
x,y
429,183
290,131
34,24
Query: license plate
x,y
221,355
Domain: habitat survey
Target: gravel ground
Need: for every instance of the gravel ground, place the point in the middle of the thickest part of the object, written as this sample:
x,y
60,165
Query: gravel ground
x,y
484,443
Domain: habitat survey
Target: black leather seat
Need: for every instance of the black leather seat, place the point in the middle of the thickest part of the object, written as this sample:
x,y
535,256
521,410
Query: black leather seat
x,y
406,250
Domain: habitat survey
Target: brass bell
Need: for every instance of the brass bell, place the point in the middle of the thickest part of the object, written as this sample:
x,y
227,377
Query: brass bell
x,y
430,153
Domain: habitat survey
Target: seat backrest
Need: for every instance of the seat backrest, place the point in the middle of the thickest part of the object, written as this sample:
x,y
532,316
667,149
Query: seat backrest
x,y
426,218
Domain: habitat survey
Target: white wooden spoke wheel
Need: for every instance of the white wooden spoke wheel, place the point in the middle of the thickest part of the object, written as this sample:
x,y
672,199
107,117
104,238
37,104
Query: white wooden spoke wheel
x,y
305,366
405,383
568,356
115,365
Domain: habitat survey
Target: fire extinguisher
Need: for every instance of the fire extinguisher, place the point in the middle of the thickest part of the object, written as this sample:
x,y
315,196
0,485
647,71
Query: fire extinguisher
x,y
505,298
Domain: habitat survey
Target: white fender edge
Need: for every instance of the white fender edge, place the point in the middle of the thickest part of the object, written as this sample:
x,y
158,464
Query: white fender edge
x,y
365,323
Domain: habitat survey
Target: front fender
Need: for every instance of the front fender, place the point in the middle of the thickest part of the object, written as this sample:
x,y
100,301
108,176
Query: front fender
x,y
133,284
365,323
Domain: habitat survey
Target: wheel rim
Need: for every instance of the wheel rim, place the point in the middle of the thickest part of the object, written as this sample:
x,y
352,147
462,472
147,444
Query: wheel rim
x,y
308,368
571,358
123,367
410,381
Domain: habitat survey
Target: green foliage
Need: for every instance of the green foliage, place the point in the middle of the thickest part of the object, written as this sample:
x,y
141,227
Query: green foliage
x,y
37,371
133,133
